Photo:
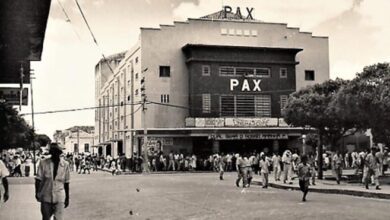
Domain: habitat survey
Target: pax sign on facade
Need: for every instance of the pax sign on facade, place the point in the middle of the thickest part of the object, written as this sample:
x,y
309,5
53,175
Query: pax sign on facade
x,y
228,9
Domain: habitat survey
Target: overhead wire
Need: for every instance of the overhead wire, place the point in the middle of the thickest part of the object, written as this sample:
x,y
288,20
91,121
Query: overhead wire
x,y
68,19
93,36
78,109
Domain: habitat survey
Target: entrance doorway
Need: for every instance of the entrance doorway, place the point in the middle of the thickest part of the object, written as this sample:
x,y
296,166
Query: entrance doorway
x,y
120,148
108,149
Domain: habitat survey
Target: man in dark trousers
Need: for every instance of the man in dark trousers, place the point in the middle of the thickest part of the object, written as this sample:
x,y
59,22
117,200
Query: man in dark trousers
x,y
4,194
52,184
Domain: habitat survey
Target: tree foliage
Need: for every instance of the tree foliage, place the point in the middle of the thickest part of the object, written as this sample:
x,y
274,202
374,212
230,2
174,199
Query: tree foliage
x,y
14,131
365,101
313,107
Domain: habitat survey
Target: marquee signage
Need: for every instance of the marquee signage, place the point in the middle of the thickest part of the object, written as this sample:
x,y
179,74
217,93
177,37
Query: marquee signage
x,y
246,85
254,136
228,9
235,122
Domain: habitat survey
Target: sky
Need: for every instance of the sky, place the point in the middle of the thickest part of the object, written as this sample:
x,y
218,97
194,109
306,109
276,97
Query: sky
x,y
358,31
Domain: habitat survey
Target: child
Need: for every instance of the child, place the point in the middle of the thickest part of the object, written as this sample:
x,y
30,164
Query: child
x,y
264,165
304,174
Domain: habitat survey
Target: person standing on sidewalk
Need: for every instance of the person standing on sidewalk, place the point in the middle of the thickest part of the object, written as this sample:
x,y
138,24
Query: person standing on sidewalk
x,y
276,166
338,166
287,166
264,165
52,184
372,168
4,193
304,173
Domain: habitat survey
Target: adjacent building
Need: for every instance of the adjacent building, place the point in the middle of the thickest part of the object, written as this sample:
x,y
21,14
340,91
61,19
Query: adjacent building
x,y
77,139
212,84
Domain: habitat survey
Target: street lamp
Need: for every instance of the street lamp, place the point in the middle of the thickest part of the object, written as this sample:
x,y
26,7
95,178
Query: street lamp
x,y
303,144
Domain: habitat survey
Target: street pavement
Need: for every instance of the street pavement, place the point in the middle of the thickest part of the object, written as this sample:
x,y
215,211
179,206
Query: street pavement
x,y
187,196
352,187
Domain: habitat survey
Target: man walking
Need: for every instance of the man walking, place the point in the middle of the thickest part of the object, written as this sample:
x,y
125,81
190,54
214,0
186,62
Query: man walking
x,y
287,166
264,164
4,194
338,166
276,166
52,184
371,168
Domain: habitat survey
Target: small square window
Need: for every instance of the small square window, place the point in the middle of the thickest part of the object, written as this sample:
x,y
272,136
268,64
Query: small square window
x,y
283,72
239,32
223,31
254,33
246,32
165,71
309,75
205,70
231,31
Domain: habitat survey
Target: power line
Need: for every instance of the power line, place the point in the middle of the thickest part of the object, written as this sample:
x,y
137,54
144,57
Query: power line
x,y
68,19
77,109
93,36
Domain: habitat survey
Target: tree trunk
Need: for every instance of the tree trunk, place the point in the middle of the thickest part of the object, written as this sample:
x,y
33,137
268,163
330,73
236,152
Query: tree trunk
x,y
320,152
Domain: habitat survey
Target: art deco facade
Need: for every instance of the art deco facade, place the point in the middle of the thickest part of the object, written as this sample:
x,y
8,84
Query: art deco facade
x,y
212,85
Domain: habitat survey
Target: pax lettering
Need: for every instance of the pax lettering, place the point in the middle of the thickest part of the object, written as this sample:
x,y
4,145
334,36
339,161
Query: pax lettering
x,y
228,9
246,85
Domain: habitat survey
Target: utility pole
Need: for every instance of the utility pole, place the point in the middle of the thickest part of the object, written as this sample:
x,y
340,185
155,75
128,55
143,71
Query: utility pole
x,y
21,86
78,140
145,144
33,126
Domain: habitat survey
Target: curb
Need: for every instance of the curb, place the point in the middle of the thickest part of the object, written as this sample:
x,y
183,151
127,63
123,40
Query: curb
x,y
349,192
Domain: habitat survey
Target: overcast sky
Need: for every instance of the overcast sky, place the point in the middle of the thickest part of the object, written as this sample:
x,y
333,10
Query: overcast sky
x,y
358,30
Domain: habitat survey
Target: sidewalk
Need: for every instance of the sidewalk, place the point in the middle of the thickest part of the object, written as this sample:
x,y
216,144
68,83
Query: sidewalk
x,y
331,187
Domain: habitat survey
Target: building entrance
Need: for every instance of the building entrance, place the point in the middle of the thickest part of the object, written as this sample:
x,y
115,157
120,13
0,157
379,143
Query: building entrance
x,y
250,146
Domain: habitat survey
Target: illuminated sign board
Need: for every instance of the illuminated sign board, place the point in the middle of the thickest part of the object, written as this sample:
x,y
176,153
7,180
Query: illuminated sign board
x,y
12,96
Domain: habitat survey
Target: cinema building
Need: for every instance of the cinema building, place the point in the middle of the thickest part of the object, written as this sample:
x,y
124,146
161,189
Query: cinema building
x,y
212,84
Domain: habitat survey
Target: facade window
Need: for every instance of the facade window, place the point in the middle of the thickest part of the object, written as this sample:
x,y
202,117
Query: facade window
x,y
121,103
128,98
128,82
86,147
283,72
165,71
205,70
239,32
263,106
223,31
244,71
136,92
283,102
231,31
116,123
122,117
76,148
136,60
116,109
254,33
165,98
309,75
246,33
263,72
245,106
206,103
227,105
226,71
136,76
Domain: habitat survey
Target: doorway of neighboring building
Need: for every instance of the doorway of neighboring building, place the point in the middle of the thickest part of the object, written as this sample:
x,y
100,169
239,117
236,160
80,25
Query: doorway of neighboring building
x,y
108,150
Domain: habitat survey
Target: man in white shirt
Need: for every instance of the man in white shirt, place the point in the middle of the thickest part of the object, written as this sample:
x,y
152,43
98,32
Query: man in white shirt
x,y
4,194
